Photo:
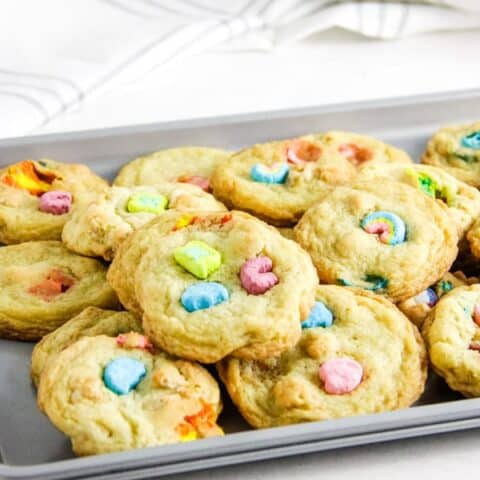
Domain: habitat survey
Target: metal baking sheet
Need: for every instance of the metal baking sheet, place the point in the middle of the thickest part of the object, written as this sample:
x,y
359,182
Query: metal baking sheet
x,y
31,448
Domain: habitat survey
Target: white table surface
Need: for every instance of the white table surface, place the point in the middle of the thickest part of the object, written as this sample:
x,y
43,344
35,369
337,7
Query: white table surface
x,y
331,68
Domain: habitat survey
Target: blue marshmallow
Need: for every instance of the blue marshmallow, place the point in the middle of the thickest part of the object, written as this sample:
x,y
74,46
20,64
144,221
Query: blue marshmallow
x,y
202,295
320,316
277,173
123,374
471,140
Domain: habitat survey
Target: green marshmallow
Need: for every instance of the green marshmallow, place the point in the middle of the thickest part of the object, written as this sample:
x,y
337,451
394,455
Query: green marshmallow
x,y
430,187
198,258
147,202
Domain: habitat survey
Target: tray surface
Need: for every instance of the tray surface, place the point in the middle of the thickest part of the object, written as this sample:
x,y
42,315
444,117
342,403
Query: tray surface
x,y
30,447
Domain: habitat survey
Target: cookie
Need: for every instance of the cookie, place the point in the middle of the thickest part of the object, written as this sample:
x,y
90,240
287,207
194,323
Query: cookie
x,y
457,150
462,200
121,273
452,335
278,181
214,284
36,197
287,232
42,285
193,165
473,238
361,150
418,307
101,223
380,235
89,323
358,355
113,394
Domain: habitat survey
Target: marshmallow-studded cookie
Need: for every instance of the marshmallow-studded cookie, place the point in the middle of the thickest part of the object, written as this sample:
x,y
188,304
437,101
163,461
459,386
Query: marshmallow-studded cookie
x,y
473,238
99,224
121,273
214,284
361,150
452,335
380,235
418,307
192,165
457,150
36,197
462,200
112,394
278,181
42,285
89,323
358,354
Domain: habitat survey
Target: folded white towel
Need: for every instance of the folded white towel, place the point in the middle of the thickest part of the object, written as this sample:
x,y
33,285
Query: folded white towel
x,y
53,53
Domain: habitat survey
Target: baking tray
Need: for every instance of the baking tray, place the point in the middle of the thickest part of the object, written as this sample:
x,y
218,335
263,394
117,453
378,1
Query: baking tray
x,y
31,448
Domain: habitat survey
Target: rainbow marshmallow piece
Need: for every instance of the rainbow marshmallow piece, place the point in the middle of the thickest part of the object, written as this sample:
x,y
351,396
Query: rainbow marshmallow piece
x,y
390,227
30,176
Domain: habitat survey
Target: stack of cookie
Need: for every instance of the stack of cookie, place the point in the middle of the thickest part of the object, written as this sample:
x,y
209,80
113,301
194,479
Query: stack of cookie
x,y
303,269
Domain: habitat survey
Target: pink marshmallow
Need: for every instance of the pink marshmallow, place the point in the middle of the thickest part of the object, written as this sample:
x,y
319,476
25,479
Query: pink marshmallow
x,y
340,375
301,151
56,202
199,181
256,275
292,157
354,153
347,150
134,340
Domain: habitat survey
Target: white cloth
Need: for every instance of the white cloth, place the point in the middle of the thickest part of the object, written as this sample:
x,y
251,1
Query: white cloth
x,y
54,54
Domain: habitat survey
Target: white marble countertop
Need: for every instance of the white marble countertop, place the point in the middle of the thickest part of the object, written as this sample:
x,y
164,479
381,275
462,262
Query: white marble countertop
x,y
334,67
